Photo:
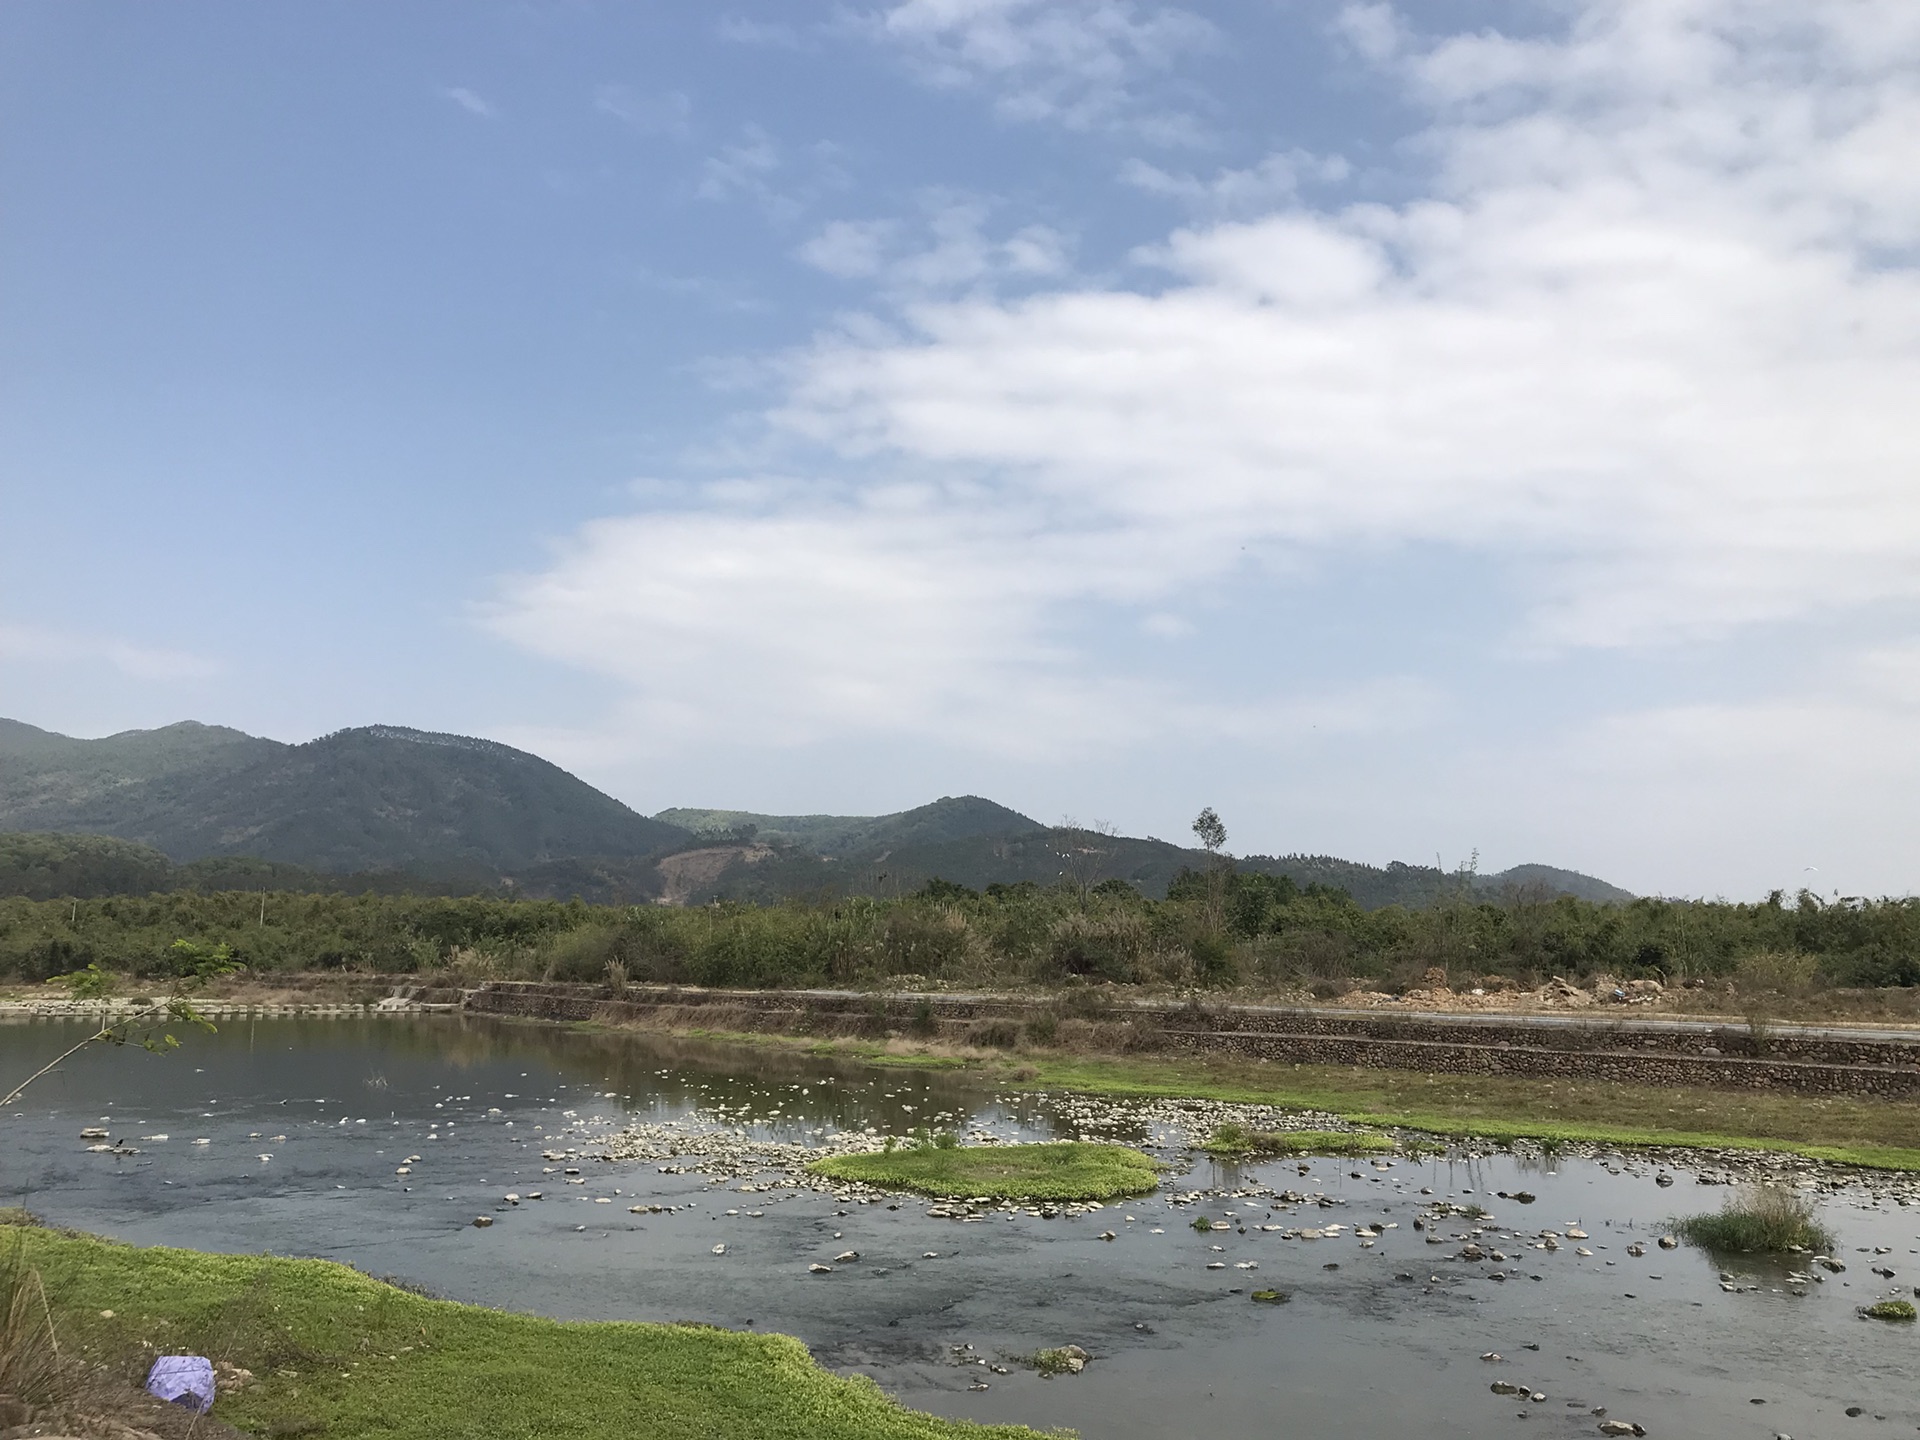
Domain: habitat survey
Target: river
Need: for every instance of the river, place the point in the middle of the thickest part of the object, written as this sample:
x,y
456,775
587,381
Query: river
x,y
307,1123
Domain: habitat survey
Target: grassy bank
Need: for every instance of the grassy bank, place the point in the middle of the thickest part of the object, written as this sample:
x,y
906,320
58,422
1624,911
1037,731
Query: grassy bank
x,y
1844,1130
338,1353
1070,1170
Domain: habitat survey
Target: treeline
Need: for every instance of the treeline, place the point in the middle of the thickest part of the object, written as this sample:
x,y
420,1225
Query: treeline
x,y
41,866
1215,928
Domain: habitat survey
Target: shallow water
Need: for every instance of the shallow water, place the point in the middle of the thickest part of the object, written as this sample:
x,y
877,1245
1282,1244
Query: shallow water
x,y
308,1121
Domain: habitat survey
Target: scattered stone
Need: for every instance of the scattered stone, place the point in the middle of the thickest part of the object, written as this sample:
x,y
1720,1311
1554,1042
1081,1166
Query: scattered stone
x,y
481,1222
1061,1360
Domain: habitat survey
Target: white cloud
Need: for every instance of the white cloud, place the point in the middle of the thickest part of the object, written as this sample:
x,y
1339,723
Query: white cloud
x,y
1743,795
468,101
1085,64
1646,330
945,249
67,648
751,621
1647,346
668,112
851,249
1273,181
758,168
741,30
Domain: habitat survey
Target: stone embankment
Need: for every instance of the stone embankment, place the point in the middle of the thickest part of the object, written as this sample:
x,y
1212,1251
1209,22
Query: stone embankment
x,y
1644,1053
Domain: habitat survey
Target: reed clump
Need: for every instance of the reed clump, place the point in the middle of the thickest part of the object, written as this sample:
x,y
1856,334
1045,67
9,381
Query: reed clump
x,y
1765,1219
34,1375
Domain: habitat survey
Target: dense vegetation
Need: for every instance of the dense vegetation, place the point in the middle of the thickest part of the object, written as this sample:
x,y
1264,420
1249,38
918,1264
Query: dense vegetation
x,y
1217,929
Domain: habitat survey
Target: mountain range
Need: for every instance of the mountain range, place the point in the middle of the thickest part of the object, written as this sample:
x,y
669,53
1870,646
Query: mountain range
x,y
384,807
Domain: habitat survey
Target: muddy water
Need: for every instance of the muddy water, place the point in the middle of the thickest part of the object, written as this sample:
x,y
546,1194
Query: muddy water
x,y
308,1121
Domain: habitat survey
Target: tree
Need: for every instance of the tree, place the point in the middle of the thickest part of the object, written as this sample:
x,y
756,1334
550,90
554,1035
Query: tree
x,y
193,966
1212,834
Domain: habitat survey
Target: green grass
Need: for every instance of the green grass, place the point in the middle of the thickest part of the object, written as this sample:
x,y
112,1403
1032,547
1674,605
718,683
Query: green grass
x,y
1239,1140
1764,1220
1842,1130
371,1362
1062,1170
1890,1310
1878,1134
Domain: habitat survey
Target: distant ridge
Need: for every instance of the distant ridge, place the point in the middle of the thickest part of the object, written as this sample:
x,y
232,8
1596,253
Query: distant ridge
x,y
386,806
948,818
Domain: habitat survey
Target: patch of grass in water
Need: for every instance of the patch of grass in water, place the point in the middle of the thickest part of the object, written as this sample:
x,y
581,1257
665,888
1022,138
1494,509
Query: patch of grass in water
x,y
1763,1220
1060,1360
338,1353
1889,1310
1271,1297
1061,1170
1233,1139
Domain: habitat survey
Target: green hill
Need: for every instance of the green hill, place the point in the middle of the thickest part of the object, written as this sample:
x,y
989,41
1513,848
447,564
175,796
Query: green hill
x,y
948,818
445,807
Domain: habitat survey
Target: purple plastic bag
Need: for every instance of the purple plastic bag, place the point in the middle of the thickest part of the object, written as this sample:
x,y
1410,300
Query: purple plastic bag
x,y
183,1379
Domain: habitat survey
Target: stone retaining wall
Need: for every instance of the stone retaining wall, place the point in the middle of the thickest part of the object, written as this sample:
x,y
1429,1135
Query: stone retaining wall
x,y
1636,1054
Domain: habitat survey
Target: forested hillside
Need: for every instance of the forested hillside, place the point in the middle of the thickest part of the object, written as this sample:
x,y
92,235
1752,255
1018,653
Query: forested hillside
x,y
448,808
387,809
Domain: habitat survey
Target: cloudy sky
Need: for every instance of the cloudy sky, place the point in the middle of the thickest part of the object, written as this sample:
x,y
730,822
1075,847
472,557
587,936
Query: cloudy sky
x,y
1475,426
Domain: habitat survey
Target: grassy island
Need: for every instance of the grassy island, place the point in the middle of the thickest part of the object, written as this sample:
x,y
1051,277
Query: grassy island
x,y
337,1353
1063,1170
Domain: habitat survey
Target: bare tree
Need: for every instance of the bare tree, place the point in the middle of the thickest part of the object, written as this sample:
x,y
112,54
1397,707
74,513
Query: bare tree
x,y
1086,852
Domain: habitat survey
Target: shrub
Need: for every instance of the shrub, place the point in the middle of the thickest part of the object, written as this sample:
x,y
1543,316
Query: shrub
x,y
1889,1310
1212,959
1043,1028
993,1034
1105,946
581,956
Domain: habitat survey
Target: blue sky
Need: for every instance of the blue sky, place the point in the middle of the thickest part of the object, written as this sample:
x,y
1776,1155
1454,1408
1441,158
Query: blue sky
x,y
1484,426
